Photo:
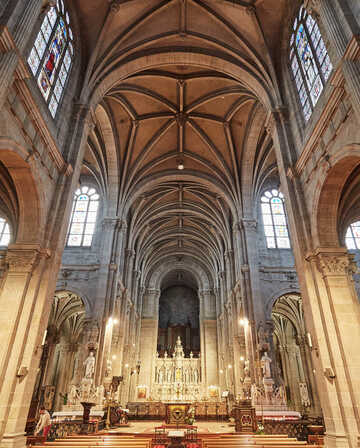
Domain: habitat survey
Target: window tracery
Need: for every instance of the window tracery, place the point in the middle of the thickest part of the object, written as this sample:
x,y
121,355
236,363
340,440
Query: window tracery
x,y
5,234
310,62
52,54
274,220
83,217
352,236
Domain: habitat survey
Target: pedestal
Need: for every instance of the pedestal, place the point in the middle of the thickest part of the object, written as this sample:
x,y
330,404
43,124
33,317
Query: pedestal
x,y
245,417
86,416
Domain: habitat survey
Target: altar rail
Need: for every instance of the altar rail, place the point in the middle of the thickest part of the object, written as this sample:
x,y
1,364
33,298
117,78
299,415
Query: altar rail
x,y
157,411
66,428
295,428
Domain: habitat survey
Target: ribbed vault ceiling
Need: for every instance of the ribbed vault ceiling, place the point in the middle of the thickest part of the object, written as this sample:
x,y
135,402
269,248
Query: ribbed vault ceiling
x,y
151,119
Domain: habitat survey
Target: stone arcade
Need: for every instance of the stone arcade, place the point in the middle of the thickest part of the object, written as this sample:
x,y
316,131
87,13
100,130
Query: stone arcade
x,y
180,209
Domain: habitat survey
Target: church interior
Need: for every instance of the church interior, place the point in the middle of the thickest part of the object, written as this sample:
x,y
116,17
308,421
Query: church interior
x,y
180,223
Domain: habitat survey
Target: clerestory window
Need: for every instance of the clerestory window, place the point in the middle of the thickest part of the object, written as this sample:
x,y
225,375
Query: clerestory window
x,y
310,62
51,57
5,234
83,217
274,219
352,237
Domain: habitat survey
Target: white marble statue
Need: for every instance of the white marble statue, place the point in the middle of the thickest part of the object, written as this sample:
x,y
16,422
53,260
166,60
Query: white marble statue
x,y
168,376
89,365
196,376
265,365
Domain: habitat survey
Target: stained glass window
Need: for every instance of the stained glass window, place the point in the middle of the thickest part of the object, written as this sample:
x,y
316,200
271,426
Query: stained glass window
x,y
310,62
5,233
274,220
352,237
51,57
83,217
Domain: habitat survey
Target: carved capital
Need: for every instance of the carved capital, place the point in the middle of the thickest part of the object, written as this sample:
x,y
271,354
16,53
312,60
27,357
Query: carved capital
x,y
23,260
333,262
249,224
312,7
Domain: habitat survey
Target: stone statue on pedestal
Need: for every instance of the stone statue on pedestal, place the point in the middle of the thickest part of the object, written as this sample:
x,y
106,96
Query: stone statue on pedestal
x,y
265,365
89,365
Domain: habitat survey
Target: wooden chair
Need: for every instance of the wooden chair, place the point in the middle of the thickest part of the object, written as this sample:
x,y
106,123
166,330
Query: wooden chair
x,y
191,439
161,439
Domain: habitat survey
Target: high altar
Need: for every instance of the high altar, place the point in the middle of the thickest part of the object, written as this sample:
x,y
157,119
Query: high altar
x,y
177,378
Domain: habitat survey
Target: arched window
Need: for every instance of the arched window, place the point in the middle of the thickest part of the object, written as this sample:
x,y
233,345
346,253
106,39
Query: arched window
x,y
352,237
83,217
52,54
5,234
274,219
310,62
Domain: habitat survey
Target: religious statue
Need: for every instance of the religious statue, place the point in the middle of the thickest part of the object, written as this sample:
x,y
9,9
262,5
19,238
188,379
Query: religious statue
x,y
187,376
161,376
196,376
73,395
255,395
280,395
265,365
89,365
168,375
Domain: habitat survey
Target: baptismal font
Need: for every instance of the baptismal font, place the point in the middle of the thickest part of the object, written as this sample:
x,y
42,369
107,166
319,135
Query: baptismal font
x,y
177,378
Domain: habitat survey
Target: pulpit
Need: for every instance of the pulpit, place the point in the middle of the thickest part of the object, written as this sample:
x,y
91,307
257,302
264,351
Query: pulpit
x,y
245,417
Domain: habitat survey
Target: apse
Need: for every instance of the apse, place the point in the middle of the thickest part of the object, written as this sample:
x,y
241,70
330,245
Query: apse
x,y
178,314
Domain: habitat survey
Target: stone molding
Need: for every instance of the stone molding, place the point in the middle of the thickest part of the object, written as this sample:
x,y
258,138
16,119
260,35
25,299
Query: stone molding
x,y
333,262
24,260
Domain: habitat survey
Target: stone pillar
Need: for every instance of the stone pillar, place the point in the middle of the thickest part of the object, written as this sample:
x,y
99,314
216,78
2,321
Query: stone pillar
x,y
336,312
21,333
63,369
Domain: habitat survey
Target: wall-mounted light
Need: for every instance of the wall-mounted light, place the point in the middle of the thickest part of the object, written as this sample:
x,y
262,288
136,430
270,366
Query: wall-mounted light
x,y
229,366
242,358
244,322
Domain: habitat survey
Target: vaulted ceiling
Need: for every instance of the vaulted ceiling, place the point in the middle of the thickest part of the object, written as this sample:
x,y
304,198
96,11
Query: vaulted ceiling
x,y
163,114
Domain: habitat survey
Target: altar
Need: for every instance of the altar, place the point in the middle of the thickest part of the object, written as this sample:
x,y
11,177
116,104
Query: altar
x,y
177,378
176,413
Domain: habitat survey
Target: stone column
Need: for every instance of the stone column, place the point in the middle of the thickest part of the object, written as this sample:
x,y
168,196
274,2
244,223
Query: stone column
x,y
63,367
336,312
148,337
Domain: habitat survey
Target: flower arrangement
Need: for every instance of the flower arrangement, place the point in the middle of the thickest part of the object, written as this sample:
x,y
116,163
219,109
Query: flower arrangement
x,y
64,397
260,428
190,417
